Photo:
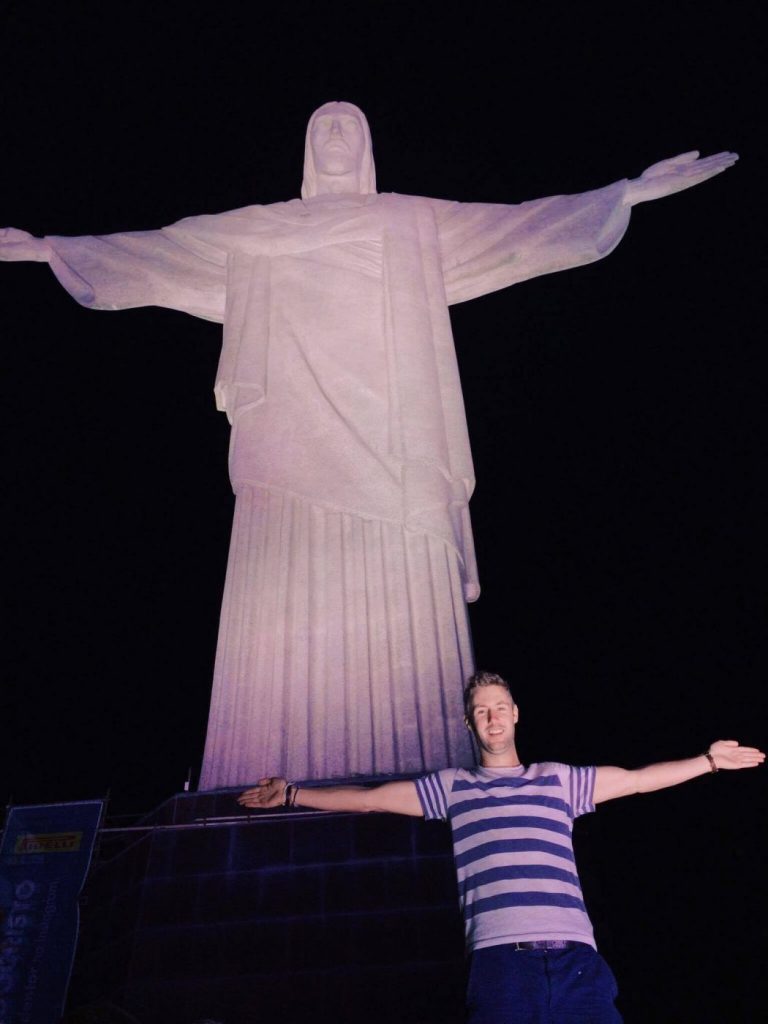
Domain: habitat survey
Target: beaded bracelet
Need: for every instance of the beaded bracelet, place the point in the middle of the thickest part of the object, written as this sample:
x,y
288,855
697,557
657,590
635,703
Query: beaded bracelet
x,y
712,766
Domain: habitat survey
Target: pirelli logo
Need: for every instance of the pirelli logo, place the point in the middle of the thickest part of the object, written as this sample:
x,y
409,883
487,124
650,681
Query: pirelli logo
x,y
50,842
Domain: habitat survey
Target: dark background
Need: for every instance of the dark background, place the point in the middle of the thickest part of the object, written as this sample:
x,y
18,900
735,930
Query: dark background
x,y
615,411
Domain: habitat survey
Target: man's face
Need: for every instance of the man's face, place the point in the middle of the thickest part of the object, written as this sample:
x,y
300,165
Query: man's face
x,y
492,719
337,143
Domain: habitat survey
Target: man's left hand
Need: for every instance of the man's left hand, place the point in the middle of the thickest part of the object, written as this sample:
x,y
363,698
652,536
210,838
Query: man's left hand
x,y
729,754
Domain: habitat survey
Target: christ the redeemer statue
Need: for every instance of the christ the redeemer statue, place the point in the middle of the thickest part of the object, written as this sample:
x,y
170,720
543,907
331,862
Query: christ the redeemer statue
x,y
344,640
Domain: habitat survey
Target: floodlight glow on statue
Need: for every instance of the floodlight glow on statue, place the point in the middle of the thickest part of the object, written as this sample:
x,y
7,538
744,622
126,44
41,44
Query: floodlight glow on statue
x,y
344,639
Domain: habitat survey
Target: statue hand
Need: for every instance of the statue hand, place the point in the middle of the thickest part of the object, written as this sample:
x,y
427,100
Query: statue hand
x,y
20,245
268,793
675,174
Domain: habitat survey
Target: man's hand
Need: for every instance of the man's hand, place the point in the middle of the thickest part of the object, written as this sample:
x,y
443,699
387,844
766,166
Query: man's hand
x,y
728,754
268,793
674,175
20,245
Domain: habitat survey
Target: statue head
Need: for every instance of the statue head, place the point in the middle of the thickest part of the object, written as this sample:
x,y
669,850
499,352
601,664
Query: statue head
x,y
338,156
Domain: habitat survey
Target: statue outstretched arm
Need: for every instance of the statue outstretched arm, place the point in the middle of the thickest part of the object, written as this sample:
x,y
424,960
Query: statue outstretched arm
x,y
676,174
135,268
486,246
20,245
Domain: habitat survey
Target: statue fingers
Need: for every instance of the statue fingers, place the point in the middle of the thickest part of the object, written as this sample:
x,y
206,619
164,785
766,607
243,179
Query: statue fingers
x,y
691,165
718,161
671,164
708,166
703,173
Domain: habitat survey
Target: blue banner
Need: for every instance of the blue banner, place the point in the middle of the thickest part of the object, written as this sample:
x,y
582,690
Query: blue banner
x,y
44,858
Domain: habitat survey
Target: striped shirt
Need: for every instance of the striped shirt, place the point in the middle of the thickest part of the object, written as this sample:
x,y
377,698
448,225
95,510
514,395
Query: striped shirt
x,y
512,847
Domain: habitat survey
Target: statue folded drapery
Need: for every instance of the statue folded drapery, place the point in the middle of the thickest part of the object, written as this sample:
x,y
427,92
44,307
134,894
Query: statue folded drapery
x,y
344,638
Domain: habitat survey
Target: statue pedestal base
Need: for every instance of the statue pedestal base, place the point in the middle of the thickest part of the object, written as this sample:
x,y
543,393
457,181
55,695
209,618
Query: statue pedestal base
x,y
208,912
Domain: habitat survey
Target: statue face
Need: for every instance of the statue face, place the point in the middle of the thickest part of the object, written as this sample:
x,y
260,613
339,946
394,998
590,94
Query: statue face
x,y
338,157
338,140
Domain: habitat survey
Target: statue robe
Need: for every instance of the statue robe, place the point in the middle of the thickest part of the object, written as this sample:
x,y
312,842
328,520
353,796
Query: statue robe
x,y
344,640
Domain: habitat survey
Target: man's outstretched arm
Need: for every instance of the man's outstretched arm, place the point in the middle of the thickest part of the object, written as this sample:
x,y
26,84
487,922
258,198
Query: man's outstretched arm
x,y
393,797
725,754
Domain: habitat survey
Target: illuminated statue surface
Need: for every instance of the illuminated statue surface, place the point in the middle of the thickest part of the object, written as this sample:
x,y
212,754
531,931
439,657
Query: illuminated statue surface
x,y
344,638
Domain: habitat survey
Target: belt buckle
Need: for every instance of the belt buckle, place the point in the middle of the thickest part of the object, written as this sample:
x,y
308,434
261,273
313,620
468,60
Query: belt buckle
x,y
541,944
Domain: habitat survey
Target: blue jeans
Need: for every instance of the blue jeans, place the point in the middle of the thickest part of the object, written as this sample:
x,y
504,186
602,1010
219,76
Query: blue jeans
x,y
536,986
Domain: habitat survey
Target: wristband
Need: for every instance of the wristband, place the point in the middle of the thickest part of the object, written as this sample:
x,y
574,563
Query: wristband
x,y
289,794
712,766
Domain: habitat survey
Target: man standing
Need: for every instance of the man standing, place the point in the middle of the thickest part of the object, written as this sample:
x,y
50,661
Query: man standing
x,y
533,955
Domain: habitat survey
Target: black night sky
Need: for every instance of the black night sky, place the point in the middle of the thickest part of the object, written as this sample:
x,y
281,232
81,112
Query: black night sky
x,y
615,411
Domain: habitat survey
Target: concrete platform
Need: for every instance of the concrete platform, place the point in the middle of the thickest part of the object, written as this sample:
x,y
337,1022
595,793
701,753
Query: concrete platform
x,y
204,912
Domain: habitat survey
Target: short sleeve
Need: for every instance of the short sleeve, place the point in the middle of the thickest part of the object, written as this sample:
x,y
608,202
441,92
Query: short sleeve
x,y
432,790
580,789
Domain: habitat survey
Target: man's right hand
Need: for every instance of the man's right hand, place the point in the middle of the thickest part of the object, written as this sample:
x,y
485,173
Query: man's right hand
x,y
393,797
20,245
268,793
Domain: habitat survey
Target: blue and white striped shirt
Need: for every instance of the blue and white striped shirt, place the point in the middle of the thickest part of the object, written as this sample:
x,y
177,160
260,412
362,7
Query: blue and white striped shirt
x,y
513,851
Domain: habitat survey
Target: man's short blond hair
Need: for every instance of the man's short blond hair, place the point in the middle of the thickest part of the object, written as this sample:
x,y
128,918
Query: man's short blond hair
x,y
480,679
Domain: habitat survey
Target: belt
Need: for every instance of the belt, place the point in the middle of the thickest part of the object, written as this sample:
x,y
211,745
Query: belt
x,y
546,944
